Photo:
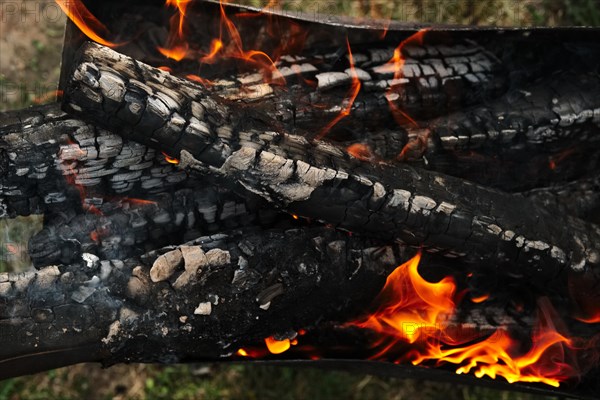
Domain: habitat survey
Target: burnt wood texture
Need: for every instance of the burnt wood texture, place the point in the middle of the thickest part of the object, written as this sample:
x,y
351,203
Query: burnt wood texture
x,y
318,180
198,301
494,177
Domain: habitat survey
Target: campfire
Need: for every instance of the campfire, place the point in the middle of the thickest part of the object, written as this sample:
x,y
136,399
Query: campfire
x,y
228,183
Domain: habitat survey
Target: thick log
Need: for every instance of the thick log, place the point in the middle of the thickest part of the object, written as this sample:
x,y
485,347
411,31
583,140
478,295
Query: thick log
x,y
198,301
432,79
317,180
50,161
126,227
512,166
102,195
580,198
561,106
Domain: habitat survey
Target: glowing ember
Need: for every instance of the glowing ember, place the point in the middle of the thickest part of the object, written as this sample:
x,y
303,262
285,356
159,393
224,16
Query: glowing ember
x,y
554,161
85,21
277,346
139,202
169,159
480,299
360,151
68,156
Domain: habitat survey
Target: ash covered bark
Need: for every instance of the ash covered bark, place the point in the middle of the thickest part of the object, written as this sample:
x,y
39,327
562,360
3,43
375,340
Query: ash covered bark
x,y
198,301
122,228
103,195
317,180
435,79
561,106
50,160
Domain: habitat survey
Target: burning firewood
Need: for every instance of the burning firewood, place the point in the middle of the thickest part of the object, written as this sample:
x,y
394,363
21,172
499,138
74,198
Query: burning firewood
x,y
458,170
318,180
201,300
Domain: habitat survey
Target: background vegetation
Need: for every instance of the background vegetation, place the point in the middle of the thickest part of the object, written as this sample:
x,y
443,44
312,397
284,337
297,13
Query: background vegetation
x,y
30,46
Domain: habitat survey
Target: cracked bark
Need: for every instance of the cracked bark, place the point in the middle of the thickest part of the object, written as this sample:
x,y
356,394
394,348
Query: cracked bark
x,y
198,301
317,180
100,194
50,160
435,79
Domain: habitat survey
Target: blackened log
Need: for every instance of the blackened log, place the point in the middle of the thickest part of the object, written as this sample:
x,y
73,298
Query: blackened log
x,y
102,195
433,79
124,227
198,301
50,161
560,106
511,167
580,198
314,179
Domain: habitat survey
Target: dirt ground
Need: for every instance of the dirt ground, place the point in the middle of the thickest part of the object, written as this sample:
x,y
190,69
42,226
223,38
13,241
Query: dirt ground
x,y
31,34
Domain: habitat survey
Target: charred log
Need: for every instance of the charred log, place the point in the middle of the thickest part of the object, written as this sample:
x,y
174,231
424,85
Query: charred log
x,y
560,107
533,136
127,227
433,80
580,198
51,160
198,301
317,180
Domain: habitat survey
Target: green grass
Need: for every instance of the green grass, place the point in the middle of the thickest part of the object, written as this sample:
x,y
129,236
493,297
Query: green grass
x,y
251,382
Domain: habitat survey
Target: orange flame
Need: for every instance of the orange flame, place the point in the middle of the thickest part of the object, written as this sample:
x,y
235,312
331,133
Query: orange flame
x,y
174,52
204,82
235,49
215,46
176,47
48,96
413,311
86,21
169,159
277,346
584,297
349,101
480,299
396,63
